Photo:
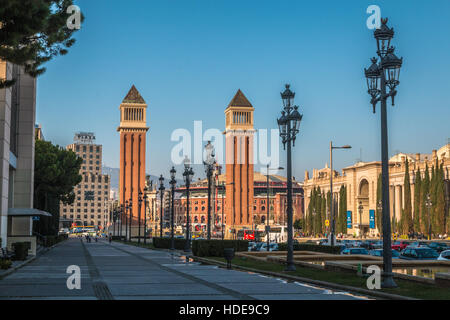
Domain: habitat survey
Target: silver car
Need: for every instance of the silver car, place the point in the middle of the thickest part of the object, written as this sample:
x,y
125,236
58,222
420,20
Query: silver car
x,y
444,256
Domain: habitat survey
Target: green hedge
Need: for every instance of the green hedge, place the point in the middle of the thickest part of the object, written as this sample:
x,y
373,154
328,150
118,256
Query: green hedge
x,y
5,264
166,243
215,248
20,250
311,247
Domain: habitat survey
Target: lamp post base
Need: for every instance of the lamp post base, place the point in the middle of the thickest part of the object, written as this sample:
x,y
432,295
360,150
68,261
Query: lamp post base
x,y
388,282
290,267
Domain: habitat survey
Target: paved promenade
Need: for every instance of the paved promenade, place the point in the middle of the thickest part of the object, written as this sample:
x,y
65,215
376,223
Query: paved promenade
x,y
118,271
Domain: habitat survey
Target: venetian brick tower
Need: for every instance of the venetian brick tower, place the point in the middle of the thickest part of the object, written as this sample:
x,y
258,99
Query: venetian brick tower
x,y
239,163
133,129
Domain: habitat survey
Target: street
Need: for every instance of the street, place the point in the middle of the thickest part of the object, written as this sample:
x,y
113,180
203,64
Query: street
x,y
119,271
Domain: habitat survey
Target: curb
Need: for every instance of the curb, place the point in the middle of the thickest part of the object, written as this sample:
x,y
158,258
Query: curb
x,y
369,293
13,269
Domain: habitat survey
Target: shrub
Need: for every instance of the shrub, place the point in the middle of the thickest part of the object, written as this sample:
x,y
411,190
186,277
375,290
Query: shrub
x,y
21,250
5,264
215,248
311,247
165,243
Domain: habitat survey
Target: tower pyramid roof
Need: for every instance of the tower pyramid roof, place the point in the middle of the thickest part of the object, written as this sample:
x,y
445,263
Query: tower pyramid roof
x,y
240,100
133,96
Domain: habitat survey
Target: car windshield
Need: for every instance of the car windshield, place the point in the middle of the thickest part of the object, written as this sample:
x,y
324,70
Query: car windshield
x,y
427,253
359,251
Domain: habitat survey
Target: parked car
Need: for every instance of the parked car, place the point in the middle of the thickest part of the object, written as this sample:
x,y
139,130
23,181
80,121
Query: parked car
x,y
257,246
418,244
251,245
419,253
444,256
272,247
371,244
379,253
352,251
400,245
63,231
348,243
438,246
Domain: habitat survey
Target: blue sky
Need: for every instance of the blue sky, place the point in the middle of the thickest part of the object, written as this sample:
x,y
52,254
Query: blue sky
x,y
189,57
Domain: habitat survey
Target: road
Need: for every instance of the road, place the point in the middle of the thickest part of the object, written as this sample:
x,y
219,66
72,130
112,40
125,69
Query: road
x,y
119,271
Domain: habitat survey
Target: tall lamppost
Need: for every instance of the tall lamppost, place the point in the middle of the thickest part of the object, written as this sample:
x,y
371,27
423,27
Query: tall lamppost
x,y
173,183
187,176
161,191
429,204
361,210
130,202
119,223
127,207
333,224
145,214
289,125
380,76
139,215
268,204
209,168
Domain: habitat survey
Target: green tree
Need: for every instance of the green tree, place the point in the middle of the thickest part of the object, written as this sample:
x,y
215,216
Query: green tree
x,y
417,199
32,32
424,193
298,224
56,173
323,214
342,219
439,211
379,213
407,223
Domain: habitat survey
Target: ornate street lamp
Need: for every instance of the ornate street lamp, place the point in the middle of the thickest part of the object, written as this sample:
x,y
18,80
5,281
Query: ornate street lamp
x,y
173,183
209,168
381,76
139,215
289,125
429,204
333,224
187,176
127,207
145,214
361,210
161,190
130,202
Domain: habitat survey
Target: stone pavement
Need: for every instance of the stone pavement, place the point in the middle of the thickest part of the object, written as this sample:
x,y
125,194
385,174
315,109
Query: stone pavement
x,y
119,271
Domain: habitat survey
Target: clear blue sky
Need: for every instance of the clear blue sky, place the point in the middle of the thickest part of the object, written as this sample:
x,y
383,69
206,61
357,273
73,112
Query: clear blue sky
x,y
189,57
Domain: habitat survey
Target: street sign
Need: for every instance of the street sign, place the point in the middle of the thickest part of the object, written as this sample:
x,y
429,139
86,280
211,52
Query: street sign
x,y
349,219
327,223
372,219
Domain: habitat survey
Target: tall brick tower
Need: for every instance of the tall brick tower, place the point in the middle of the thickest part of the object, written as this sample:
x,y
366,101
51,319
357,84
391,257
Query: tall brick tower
x,y
133,129
239,163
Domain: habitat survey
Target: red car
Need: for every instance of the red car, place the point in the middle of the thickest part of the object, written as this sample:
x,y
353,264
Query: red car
x,y
399,245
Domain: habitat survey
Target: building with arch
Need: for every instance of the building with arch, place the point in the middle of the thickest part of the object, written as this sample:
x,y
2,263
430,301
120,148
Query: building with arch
x,y
361,179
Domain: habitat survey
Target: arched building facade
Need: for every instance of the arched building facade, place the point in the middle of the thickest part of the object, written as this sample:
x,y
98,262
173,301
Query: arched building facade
x,y
361,180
